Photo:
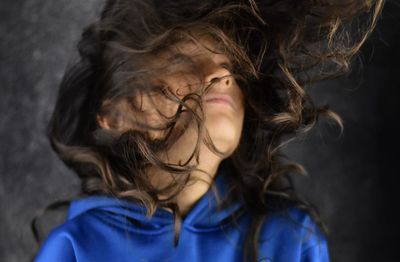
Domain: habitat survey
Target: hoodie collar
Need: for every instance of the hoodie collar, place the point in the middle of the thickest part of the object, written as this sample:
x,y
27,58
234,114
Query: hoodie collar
x,y
204,215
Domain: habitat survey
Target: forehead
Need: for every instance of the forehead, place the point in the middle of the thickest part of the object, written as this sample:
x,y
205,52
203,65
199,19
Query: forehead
x,y
202,49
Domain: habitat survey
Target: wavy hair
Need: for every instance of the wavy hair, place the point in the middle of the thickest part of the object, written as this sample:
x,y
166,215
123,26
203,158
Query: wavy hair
x,y
278,48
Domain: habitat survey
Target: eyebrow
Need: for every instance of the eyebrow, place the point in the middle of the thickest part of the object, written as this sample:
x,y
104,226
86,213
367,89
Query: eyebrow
x,y
177,57
227,65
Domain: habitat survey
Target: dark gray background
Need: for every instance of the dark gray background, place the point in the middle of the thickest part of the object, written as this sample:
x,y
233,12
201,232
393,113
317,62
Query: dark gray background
x,y
352,178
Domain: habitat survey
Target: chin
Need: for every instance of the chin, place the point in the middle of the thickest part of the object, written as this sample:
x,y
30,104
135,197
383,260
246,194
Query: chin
x,y
227,147
224,136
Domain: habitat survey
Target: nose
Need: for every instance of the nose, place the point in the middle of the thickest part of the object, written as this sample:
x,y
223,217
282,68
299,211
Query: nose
x,y
219,76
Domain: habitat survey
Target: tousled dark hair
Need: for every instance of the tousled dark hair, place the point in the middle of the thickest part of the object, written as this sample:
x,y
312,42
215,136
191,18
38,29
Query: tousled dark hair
x,y
278,48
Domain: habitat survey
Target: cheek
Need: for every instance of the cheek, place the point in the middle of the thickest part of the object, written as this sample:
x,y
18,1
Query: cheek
x,y
154,109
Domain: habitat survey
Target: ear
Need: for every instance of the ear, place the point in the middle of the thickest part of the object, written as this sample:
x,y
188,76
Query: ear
x,y
102,121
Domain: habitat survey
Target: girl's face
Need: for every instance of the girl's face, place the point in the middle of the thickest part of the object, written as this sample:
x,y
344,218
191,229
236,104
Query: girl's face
x,y
223,101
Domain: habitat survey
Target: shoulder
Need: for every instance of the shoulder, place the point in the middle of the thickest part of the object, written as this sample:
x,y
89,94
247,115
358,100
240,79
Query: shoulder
x,y
65,241
58,244
90,225
295,234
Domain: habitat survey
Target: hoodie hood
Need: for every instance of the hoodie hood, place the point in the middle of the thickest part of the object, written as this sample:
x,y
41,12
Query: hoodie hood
x,y
102,228
204,215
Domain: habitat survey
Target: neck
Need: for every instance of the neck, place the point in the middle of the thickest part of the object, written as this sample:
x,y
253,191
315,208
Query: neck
x,y
193,191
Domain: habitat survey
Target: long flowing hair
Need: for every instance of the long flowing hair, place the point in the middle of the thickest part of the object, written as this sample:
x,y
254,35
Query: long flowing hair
x,y
278,48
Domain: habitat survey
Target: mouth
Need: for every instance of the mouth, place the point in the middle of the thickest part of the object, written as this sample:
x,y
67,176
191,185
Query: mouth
x,y
220,99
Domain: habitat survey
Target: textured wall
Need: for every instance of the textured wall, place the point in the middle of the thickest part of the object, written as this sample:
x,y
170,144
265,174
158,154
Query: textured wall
x,y
351,178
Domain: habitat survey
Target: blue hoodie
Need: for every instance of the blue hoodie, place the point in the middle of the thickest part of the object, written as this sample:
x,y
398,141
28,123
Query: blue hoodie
x,y
101,228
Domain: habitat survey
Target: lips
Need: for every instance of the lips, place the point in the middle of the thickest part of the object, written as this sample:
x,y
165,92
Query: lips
x,y
220,99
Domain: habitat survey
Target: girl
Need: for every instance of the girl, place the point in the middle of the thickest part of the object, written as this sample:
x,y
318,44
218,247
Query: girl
x,y
174,118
